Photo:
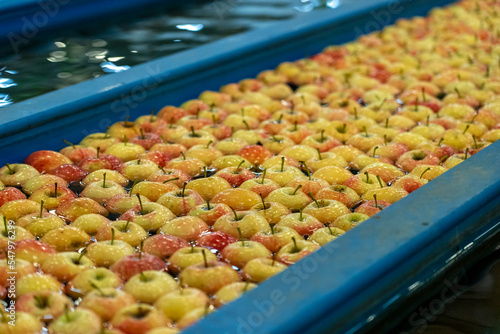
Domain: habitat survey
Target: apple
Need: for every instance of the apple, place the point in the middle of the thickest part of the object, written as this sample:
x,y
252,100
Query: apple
x,y
90,223
139,319
278,159
130,265
174,176
372,207
25,323
283,175
108,252
33,251
66,238
241,252
152,190
271,211
230,161
235,176
66,265
45,305
193,316
341,193
80,206
106,302
260,269
36,283
411,159
208,187
146,140
190,166
187,256
275,239
100,141
428,172
42,180
237,198
206,153
256,154
349,221
296,250
109,174
333,174
77,321
45,161
294,199
171,113
215,241
121,203
102,191
92,279
180,202
232,291
386,172
138,169
245,223
15,209
22,267
125,151
142,284
10,194
326,210
209,277
324,235
230,146
347,152
303,224
150,216
326,159
262,186
100,161
17,174
126,231
52,196
176,304
188,228
410,182
209,213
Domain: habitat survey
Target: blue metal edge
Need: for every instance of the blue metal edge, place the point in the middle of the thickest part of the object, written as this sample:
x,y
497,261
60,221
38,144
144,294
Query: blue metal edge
x,y
27,20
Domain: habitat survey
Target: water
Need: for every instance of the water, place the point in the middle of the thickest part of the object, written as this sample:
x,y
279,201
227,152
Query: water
x,y
91,52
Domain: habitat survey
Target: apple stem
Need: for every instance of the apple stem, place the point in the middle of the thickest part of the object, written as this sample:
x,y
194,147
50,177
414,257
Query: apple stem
x,y
126,122
104,180
205,172
264,206
367,177
458,93
112,236
98,151
385,140
427,121
239,166
319,154
487,71
183,189
107,135
300,215
208,145
204,258
183,155
380,181
169,180
440,141
125,140
295,247
282,164
292,105
70,144
82,254
208,205
355,113
192,249
365,131
466,129
423,94
55,190
297,189
315,201
246,124
197,113
443,159
142,133
295,127
242,112
322,139
475,142
132,188
308,172
466,153
241,237
141,246
126,225
66,312
152,114
387,123
5,225
329,228
280,119
95,287
42,202
214,121
232,131
382,104
11,171
416,105
376,203
263,176
425,171
374,151
143,277
140,204
171,123
235,214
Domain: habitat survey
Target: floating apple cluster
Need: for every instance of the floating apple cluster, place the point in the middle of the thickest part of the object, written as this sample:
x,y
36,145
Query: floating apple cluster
x,y
149,226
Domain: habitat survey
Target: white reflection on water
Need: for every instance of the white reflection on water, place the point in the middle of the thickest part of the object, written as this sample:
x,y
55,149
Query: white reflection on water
x,y
5,100
190,27
109,67
6,83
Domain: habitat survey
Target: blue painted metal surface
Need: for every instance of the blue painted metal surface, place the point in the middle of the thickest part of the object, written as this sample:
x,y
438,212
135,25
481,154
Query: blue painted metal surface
x,y
345,286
